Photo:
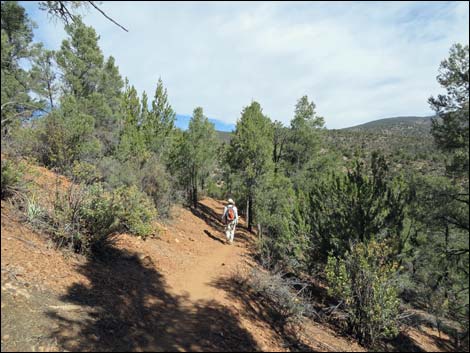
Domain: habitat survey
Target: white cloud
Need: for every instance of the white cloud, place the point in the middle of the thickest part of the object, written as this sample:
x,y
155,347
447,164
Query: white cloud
x,y
357,61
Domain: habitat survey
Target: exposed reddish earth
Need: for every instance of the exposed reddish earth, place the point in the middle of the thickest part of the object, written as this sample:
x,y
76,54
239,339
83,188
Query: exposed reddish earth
x,y
172,292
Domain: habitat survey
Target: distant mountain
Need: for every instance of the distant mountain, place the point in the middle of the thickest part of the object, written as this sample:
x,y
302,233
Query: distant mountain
x,y
405,141
182,122
402,125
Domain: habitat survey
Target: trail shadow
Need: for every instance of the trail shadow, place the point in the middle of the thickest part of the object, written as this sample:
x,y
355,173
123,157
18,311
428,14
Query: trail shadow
x,y
257,308
443,344
401,343
453,330
126,306
213,237
208,218
405,343
213,219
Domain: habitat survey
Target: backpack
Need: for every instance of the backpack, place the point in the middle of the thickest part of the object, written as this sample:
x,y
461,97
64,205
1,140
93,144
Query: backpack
x,y
230,214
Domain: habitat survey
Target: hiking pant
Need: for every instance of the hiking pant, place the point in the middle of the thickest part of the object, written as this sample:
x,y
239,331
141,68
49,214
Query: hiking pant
x,y
230,230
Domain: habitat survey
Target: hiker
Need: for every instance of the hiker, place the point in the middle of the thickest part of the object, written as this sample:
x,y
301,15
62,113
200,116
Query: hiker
x,y
230,218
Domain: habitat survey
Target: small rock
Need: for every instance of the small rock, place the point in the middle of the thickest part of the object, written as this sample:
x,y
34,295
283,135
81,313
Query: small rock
x,y
176,240
5,337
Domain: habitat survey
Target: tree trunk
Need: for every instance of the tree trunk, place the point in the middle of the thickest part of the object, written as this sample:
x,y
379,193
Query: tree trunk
x,y
195,194
248,211
49,90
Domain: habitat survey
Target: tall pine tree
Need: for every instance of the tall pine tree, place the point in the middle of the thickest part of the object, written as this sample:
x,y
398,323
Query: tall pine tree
x,y
304,139
158,123
16,37
250,155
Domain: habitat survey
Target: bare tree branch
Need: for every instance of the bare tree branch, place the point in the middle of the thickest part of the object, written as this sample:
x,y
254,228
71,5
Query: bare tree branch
x,y
60,9
92,3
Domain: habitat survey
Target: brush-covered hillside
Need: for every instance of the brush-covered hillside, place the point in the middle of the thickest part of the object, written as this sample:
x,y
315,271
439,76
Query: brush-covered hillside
x,y
403,125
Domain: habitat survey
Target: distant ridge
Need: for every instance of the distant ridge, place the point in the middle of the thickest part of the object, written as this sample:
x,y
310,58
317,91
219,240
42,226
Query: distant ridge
x,y
393,121
402,125
409,126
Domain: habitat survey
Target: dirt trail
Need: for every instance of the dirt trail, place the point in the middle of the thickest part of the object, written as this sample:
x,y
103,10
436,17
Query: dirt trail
x,y
155,295
214,257
169,293
196,281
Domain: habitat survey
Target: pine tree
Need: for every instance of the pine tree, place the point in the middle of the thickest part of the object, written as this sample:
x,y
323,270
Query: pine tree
x,y
94,83
250,155
304,139
16,37
44,75
158,123
442,205
111,84
450,128
194,154
132,145
281,135
80,60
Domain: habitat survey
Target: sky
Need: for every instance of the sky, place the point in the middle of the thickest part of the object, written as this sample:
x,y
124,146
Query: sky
x,y
357,61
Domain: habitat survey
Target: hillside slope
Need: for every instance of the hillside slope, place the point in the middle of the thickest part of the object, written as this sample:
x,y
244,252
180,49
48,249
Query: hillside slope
x,y
403,125
169,293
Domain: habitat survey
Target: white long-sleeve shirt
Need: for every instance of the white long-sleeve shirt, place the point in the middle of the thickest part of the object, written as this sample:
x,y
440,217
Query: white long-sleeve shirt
x,y
234,210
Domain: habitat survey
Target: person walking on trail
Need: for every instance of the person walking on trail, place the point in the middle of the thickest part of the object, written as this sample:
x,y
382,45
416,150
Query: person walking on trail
x,y
230,218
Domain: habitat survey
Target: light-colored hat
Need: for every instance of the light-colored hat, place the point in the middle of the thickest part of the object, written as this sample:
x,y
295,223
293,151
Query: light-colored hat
x,y
230,201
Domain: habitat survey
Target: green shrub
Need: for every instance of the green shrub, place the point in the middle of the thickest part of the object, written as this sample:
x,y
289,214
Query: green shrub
x,y
23,142
283,232
116,174
365,204
134,210
66,135
363,280
99,215
84,218
151,177
84,172
11,178
214,190
158,184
